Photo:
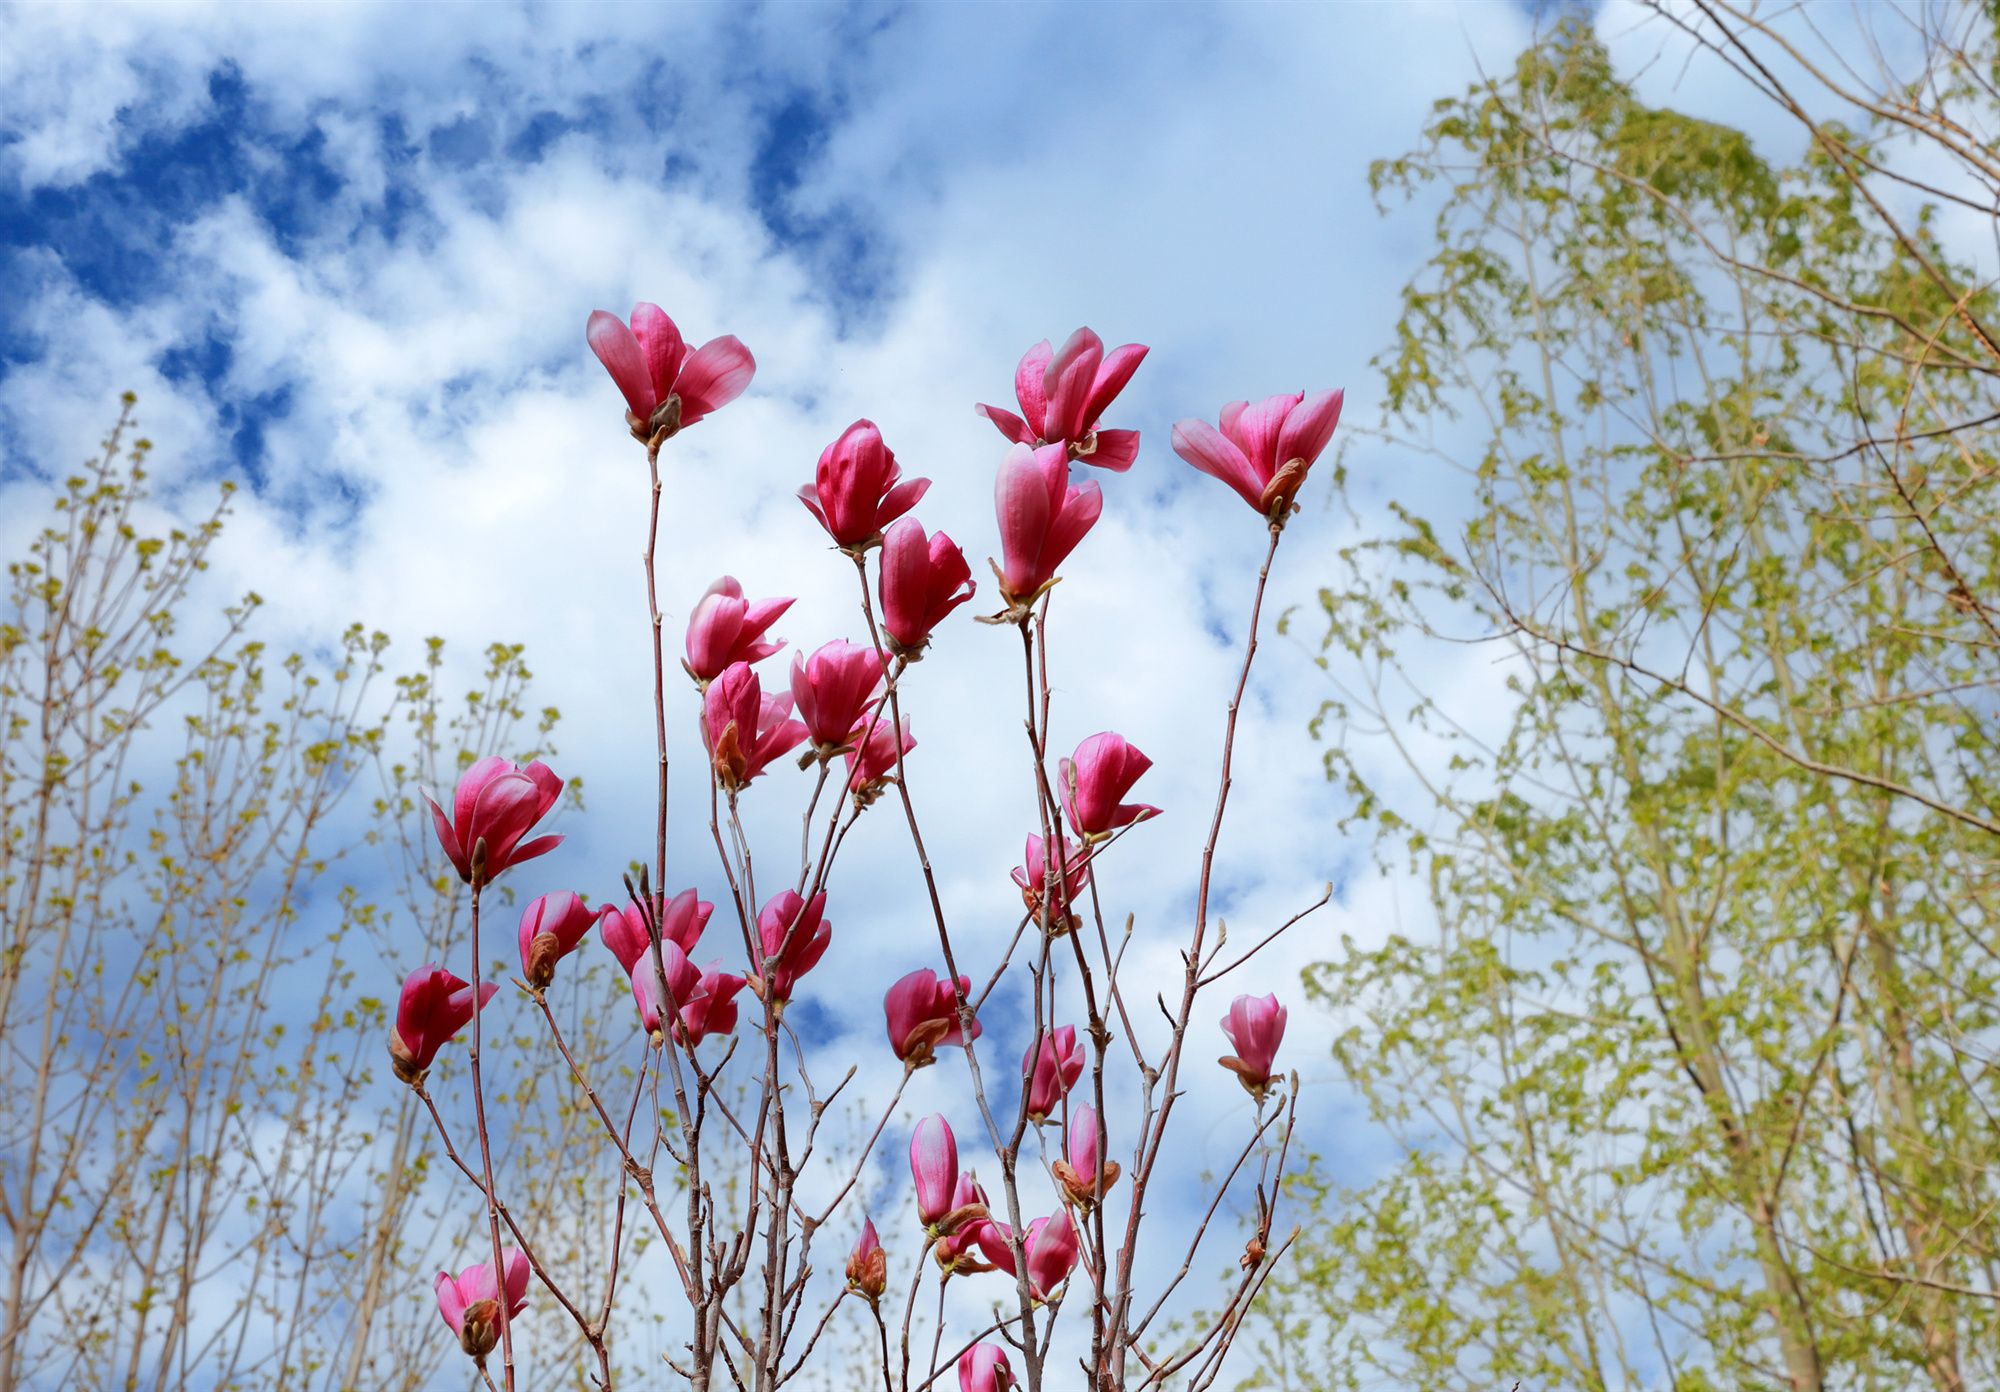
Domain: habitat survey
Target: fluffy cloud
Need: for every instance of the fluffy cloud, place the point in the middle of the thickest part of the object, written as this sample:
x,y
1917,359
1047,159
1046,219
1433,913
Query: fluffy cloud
x,y
888,205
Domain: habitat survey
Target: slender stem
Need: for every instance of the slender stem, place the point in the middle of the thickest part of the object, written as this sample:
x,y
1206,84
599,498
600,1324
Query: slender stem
x,y
1151,1144
1007,1150
486,1152
882,1332
659,666
521,1242
937,1334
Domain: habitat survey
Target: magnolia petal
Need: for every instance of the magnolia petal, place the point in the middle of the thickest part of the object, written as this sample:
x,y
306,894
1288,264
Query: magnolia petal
x,y
714,375
622,357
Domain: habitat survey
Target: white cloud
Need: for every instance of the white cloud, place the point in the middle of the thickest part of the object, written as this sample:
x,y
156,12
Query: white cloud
x,y
1191,179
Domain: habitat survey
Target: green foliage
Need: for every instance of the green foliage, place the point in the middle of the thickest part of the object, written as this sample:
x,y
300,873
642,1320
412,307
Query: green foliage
x,y
195,989
1691,1085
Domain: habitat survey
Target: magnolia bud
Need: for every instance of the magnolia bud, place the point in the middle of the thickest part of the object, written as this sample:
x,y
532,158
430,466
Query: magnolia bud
x,y
868,1266
1081,1188
403,1060
666,421
481,1330
543,954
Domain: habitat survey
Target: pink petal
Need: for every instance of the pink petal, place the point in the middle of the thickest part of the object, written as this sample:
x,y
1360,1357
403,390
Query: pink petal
x,y
451,1304
625,938
780,740
547,785
619,351
1067,381
1231,414
1117,450
504,814
422,990
1010,425
776,705
802,689
470,784
765,612
1029,391
1212,452
901,499
905,575
714,376
1119,365
517,1281
1257,431
446,838
1021,500
1079,514
660,343
541,845
934,1167
1309,427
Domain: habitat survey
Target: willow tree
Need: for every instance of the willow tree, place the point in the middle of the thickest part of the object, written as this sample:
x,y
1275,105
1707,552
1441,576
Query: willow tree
x,y
1691,1079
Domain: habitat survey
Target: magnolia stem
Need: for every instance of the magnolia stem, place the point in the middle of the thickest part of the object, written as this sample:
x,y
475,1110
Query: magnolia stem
x,y
486,1149
1151,1144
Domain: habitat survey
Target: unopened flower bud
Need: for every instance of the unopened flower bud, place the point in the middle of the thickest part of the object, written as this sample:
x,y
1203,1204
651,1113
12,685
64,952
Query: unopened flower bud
x,y
402,1060
481,1330
543,954
868,1266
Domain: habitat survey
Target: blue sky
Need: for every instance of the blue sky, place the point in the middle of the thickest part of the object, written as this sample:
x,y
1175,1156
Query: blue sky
x,y
345,255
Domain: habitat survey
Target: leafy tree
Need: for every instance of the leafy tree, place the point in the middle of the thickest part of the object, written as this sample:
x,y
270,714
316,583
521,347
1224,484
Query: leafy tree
x,y
1692,1085
202,1181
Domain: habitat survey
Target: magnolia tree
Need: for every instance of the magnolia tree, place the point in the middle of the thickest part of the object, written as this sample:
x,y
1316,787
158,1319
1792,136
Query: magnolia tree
x,y
739,1207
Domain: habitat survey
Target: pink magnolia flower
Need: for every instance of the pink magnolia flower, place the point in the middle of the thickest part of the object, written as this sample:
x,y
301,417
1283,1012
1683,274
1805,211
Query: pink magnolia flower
x,y
470,1302
1037,876
1101,772
923,579
681,919
725,628
1042,518
1078,1170
1262,451
793,937
934,1168
496,803
713,1009
868,1264
551,928
922,1013
435,1005
958,1232
1062,394
1255,1029
856,490
743,728
984,1369
683,985
1051,1067
833,690
667,387
1050,1250
871,760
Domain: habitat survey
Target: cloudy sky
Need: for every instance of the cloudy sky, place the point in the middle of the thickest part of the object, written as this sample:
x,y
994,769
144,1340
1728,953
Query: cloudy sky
x,y
344,255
